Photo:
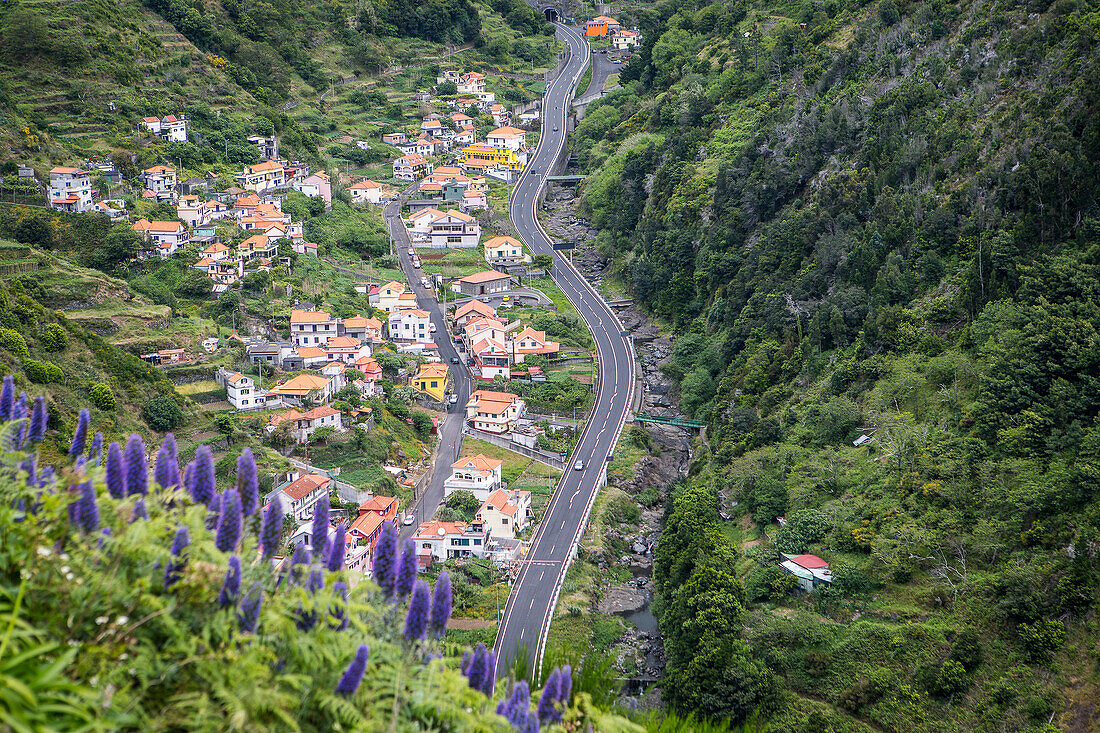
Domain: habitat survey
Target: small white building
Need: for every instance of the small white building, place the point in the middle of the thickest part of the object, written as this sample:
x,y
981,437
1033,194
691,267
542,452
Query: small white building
x,y
478,474
262,176
241,391
507,138
302,493
506,512
311,328
368,192
304,424
411,167
494,412
410,325
442,541
454,230
160,178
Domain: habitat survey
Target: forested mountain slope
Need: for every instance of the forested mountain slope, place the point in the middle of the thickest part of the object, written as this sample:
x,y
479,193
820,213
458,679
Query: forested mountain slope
x,y
881,219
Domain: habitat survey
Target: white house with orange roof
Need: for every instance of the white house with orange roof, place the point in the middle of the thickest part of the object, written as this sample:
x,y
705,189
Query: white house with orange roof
x,y
473,310
217,252
301,494
367,330
624,40
441,541
507,138
529,341
346,349
474,200
190,209
305,248
365,529
471,83
165,236
311,328
240,390
388,296
505,251
494,412
499,113
262,176
485,327
70,189
410,324
369,192
411,167
419,223
432,128
304,388
483,283
258,245
478,474
505,512
160,178
453,230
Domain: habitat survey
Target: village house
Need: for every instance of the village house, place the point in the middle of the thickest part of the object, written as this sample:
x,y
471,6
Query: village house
x,y
479,475
304,388
510,138
510,159
394,138
190,209
431,380
267,147
159,178
473,310
505,512
600,27
164,236
453,230
471,83
530,341
301,494
311,328
262,176
305,248
271,353
411,167
70,189
303,425
410,325
316,184
505,251
487,327
367,526
346,349
490,358
387,296
441,541
810,570
368,191
367,330
173,129
499,113
483,283
624,40
312,356
474,201
448,75
494,412
240,390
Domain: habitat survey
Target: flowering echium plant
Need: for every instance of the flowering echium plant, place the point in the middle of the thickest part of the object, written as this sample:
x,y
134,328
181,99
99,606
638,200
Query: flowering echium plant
x,y
110,487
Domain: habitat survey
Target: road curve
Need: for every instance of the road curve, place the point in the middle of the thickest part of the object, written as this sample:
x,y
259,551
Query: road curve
x,y
530,607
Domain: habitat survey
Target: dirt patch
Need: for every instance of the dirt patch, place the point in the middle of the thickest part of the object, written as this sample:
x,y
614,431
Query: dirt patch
x,y
747,523
751,543
468,624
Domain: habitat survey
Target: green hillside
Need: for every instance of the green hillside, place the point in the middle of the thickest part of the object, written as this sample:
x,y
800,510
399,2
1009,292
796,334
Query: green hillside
x,y
871,219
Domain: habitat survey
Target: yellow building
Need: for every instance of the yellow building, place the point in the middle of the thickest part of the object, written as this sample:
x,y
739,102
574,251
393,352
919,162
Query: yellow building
x,y
511,159
431,381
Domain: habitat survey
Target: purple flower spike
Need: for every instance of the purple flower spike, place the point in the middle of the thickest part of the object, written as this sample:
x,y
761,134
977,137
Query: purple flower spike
x,y
339,612
416,620
531,726
21,434
139,511
464,667
547,710
248,615
335,561
231,586
19,409
247,483
353,675
406,569
566,692
39,419
229,525
384,551
271,531
76,448
137,470
214,516
7,398
475,672
178,560
87,512
203,482
441,604
95,451
489,681
167,470
320,527
518,706
115,472
316,581
298,560
30,467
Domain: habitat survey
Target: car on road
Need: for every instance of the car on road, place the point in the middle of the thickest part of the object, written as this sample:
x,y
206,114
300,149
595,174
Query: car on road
x,y
412,252
407,520
454,399
416,262
610,456
578,466
555,128
455,360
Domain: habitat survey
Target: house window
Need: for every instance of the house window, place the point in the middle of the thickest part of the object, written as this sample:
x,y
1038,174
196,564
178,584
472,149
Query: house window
x,y
504,520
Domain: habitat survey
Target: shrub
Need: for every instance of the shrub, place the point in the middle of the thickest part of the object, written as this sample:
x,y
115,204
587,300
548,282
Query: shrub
x,y
162,413
102,396
14,342
42,372
769,583
952,678
803,528
1042,638
53,338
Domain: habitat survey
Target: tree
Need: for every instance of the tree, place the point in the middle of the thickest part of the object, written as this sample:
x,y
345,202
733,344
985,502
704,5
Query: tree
x,y
447,89
542,262
321,435
162,413
465,504
54,337
422,421
102,396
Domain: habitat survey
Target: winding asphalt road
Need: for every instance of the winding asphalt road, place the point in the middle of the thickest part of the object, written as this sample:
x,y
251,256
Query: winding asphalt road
x,y
450,428
530,607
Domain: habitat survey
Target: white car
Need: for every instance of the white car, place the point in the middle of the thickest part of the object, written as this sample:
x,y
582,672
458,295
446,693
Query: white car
x,y
412,252
408,519
454,399
578,466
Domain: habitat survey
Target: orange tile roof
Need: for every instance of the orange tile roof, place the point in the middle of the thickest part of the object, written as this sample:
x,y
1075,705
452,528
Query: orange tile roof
x,y
484,277
305,486
503,241
507,131
436,529
318,412
365,185
475,306
311,352
302,316
301,385
267,165
343,342
431,371
478,462
501,501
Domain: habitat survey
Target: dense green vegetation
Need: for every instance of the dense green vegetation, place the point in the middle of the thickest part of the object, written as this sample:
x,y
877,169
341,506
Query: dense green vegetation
x,y
881,219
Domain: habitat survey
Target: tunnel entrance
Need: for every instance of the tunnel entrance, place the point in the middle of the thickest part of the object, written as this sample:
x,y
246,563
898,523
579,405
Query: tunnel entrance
x,y
551,15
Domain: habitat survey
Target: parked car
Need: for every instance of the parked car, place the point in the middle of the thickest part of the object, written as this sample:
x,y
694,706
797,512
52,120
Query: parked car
x,y
610,456
408,519
454,399
412,252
